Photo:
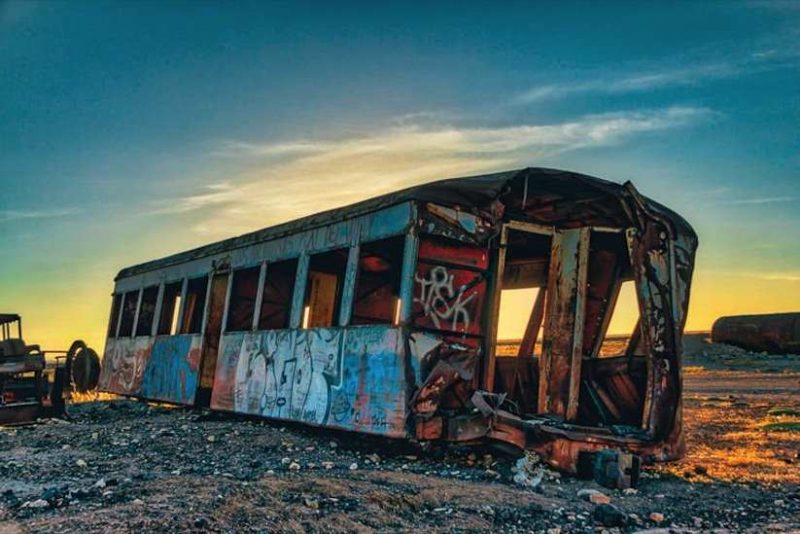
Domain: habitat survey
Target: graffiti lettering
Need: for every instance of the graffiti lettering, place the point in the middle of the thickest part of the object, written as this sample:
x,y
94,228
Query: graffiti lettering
x,y
440,301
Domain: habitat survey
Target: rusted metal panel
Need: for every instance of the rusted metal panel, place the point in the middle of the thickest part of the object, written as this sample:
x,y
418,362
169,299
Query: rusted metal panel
x,y
776,332
455,224
352,378
560,365
164,368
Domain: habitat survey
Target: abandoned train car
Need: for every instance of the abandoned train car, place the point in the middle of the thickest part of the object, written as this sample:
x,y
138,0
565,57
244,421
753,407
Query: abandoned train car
x,y
381,317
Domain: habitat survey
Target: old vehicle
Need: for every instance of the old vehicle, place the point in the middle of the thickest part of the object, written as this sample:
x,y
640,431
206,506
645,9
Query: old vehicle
x,y
773,332
30,386
381,317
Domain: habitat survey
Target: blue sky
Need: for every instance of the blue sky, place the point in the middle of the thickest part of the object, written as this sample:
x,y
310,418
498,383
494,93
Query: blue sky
x,y
133,130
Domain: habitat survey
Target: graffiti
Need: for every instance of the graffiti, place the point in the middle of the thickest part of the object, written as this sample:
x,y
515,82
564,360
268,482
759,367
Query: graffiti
x,y
287,375
171,373
328,376
437,298
123,366
162,369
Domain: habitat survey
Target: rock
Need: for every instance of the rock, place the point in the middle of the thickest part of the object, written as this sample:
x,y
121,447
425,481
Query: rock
x,y
630,491
327,465
294,466
80,463
333,444
200,522
212,438
353,466
700,470
137,502
609,515
100,483
38,503
286,461
599,498
656,517
311,503
593,496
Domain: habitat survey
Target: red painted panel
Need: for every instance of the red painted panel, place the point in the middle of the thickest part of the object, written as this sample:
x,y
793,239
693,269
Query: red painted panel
x,y
439,250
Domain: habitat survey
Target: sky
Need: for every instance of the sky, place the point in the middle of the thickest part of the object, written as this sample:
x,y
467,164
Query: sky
x,y
133,130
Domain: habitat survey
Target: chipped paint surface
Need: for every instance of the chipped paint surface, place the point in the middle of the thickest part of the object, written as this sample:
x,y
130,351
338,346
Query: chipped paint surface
x,y
352,378
161,368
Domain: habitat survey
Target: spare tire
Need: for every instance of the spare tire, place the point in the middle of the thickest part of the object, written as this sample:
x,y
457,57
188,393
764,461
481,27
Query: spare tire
x,y
83,366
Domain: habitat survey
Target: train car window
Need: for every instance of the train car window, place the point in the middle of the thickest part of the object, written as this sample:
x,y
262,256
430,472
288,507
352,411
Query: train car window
x,y
129,304
324,288
242,304
276,303
112,322
377,293
147,311
194,306
170,307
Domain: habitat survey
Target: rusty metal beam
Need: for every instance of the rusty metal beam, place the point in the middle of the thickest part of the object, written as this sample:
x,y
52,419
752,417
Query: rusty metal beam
x,y
560,367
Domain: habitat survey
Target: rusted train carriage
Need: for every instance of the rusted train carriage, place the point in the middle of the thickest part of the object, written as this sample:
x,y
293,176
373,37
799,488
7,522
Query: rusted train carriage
x,y
381,317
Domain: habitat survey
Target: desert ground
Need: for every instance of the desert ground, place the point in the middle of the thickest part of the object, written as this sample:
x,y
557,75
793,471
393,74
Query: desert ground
x,y
121,465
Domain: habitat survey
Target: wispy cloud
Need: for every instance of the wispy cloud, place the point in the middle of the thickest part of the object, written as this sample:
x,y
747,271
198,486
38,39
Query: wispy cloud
x,y
14,215
664,77
298,177
757,201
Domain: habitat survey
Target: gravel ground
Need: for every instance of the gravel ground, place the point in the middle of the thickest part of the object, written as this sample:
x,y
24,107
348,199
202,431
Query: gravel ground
x,y
129,466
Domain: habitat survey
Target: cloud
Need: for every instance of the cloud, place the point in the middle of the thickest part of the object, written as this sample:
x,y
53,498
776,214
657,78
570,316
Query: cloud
x,y
756,201
660,77
299,177
15,215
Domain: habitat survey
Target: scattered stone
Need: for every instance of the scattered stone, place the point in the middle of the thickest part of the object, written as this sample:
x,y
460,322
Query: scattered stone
x,y
609,515
294,466
38,503
630,491
137,502
656,517
212,438
200,522
593,496
327,465
80,463
100,483
333,444
353,466
700,470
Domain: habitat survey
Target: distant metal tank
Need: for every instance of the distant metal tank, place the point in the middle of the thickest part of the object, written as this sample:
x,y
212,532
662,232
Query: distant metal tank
x,y
774,332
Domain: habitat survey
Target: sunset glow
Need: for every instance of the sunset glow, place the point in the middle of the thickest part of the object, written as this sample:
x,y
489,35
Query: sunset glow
x,y
188,152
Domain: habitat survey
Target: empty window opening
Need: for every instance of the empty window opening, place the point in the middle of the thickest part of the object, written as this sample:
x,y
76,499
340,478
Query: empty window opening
x,y
194,306
377,292
276,302
524,278
624,319
242,304
170,307
147,311
112,322
129,304
516,307
323,297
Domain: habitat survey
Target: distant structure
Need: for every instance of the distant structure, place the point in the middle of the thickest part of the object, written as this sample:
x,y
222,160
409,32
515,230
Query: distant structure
x,y
778,333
